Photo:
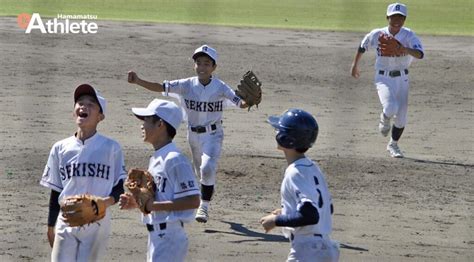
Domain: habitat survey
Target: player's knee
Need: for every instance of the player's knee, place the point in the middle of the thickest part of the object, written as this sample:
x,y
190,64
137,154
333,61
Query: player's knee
x,y
208,172
390,110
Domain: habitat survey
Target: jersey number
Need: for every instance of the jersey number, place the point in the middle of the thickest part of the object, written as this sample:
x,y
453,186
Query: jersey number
x,y
320,200
162,183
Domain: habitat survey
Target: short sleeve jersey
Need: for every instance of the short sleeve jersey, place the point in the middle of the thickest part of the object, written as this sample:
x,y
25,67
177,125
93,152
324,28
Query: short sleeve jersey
x,y
203,105
93,167
174,177
304,182
405,36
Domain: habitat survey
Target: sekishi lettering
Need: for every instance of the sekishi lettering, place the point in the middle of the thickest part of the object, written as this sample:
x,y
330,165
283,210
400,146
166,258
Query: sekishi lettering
x,y
84,170
203,106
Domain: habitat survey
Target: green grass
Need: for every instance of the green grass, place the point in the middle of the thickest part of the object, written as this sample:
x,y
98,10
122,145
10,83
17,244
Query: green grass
x,y
448,17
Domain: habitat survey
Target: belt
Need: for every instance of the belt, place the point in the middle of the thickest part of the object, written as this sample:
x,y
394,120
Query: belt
x,y
162,226
203,129
292,236
394,73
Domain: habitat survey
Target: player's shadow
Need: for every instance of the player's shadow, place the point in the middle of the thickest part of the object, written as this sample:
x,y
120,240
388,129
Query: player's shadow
x,y
241,230
438,162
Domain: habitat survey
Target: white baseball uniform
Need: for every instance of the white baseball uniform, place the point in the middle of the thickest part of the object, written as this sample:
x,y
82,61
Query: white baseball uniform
x,y
391,73
304,182
173,174
74,167
203,107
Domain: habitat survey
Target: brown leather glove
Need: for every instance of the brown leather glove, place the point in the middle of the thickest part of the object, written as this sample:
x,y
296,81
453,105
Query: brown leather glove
x,y
79,210
141,185
250,89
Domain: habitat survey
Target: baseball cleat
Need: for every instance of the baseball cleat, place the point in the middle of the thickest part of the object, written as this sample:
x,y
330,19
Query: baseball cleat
x,y
394,150
202,214
384,125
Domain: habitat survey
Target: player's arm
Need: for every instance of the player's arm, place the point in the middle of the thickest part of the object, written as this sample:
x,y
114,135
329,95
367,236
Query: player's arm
x,y
184,203
134,79
114,196
306,215
52,215
355,63
413,52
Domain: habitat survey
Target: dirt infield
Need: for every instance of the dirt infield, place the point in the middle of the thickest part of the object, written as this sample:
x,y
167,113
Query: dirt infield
x,y
413,209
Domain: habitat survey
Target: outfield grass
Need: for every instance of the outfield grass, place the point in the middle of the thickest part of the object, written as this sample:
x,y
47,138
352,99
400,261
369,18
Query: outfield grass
x,y
448,17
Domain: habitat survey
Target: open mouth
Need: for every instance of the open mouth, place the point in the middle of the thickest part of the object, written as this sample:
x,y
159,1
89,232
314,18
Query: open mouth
x,y
83,114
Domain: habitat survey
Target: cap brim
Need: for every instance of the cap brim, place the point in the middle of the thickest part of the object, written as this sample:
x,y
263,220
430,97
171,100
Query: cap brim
x,y
84,89
140,113
203,53
396,13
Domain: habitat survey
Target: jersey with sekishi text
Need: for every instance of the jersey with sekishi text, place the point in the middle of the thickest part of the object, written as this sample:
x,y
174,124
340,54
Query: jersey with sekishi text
x,y
203,105
406,37
93,167
304,182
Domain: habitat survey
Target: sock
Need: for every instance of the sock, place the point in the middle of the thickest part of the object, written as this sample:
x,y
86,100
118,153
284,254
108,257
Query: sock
x,y
207,192
396,133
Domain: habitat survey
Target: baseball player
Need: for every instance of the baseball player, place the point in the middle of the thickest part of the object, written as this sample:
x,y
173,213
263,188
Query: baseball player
x,y
391,71
305,199
203,98
85,163
177,191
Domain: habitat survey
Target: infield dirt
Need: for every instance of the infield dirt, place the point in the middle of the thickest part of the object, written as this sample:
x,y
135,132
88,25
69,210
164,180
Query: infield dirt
x,y
414,209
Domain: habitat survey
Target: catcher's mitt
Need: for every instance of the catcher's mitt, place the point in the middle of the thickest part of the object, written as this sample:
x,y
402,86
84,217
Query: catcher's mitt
x,y
79,210
250,89
389,46
141,185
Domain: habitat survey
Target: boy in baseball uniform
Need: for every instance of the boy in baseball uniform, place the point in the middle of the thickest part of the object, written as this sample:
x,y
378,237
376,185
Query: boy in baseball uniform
x,y
177,191
85,163
203,98
305,216
391,72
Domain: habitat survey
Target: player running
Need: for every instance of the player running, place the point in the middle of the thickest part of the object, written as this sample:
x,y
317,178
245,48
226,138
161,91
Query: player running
x,y
85,163
305,199
391,70
203,98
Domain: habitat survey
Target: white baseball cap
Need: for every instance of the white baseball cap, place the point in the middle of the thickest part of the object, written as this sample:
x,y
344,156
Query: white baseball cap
x,y
166,110
397,8
86,89
205,49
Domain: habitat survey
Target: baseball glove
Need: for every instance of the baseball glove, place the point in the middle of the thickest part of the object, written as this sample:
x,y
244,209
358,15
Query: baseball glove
x,y
250,89
79,210
141,185
389,46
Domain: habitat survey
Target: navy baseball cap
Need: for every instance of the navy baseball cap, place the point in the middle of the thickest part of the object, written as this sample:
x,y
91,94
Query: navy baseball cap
x,y
86,89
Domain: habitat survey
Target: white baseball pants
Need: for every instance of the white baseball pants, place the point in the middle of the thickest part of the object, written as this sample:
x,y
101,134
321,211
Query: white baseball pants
x,y
393,95
206,150
85,243
309,248
169,244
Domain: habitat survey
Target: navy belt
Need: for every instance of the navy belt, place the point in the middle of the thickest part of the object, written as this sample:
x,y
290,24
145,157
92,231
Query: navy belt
x,y
202,129
394,73
292,236
162,226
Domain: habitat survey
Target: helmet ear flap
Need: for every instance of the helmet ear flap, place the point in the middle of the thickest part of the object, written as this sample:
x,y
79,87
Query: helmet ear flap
x,y
285,140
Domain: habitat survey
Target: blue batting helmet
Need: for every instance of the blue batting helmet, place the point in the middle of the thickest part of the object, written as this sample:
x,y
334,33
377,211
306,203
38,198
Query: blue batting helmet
x,y
297,129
